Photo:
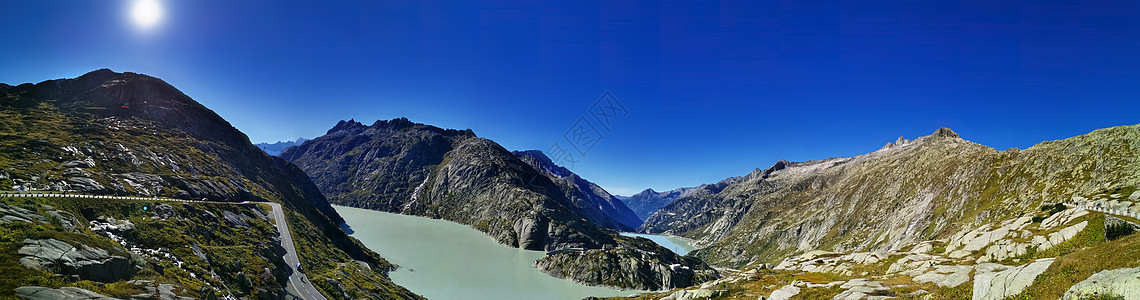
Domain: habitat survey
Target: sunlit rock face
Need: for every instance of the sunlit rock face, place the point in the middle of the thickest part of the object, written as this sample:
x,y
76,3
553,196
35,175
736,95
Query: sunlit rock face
x,y
907,192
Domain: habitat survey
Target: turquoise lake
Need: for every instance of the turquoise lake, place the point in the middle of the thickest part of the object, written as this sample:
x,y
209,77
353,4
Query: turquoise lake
x,y
445,260
677,245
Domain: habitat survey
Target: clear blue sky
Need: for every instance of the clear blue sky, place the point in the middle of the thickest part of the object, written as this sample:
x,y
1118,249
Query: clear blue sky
x,y
713,89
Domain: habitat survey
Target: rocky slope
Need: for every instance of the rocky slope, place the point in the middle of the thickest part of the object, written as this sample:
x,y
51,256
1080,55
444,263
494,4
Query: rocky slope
x,y
907,192
647,202
589,198
409,168
1051,253
132,134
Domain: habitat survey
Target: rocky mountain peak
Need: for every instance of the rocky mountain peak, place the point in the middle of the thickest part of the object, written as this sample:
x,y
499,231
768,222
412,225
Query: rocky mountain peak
x,y
897,143
945,133
941,133
345,125
779,165
97,77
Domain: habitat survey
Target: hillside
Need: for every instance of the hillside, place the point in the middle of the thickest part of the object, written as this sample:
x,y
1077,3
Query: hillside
x,y
410,168
108,133
907,192
937,217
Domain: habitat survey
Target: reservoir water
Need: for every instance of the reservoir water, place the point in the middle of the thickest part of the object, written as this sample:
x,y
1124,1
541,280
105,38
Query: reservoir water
x,y
445,260
677,245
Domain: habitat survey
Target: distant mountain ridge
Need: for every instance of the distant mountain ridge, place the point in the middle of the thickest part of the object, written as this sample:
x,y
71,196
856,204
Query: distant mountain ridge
x,y
646,202
276,148
590,198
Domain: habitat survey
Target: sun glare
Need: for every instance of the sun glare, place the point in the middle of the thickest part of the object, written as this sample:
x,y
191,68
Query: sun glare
x,y
146,13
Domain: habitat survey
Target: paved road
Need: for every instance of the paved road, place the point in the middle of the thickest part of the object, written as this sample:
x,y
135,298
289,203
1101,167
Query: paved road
x,y
298,285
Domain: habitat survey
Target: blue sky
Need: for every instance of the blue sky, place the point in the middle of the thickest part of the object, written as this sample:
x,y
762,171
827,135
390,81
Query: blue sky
x,y
712,89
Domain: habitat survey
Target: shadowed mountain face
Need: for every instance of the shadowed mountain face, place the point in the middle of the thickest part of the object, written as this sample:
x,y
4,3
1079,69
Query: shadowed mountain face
x,y
410,168
132,134
908,191
521,199
589,198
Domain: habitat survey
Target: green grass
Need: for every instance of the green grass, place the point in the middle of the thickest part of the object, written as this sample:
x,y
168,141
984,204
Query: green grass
x,y
1082,259
231,252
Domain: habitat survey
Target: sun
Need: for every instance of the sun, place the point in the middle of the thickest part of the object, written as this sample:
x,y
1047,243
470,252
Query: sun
x,y
146,13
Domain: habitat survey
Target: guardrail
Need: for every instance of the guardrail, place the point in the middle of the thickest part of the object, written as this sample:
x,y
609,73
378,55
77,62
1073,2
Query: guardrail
x,y
54,194
1111,211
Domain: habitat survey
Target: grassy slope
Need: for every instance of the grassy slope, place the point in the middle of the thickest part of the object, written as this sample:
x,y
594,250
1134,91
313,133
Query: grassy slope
x,y
199,152
232,253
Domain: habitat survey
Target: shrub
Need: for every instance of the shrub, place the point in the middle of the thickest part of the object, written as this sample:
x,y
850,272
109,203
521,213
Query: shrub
x,y
1116,230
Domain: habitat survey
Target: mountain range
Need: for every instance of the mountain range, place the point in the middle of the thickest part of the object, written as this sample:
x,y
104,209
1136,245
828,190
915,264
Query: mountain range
x,y
646,202
276,148
936,217
521,199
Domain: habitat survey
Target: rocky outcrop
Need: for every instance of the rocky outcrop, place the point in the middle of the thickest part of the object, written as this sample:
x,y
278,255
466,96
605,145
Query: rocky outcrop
x,y
861,288
693,294
1124,282
947,276
160,291
784,293
637,264
1012,281
63,293
82,262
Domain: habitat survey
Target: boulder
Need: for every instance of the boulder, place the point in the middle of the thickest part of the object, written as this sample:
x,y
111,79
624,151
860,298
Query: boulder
x,y
998,285
15,213
79,163
862,288
84,262
67,221
947,276
1119,282
67,292
693,294
84,184
923,247
1062,218
235,220
784,293
163,291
